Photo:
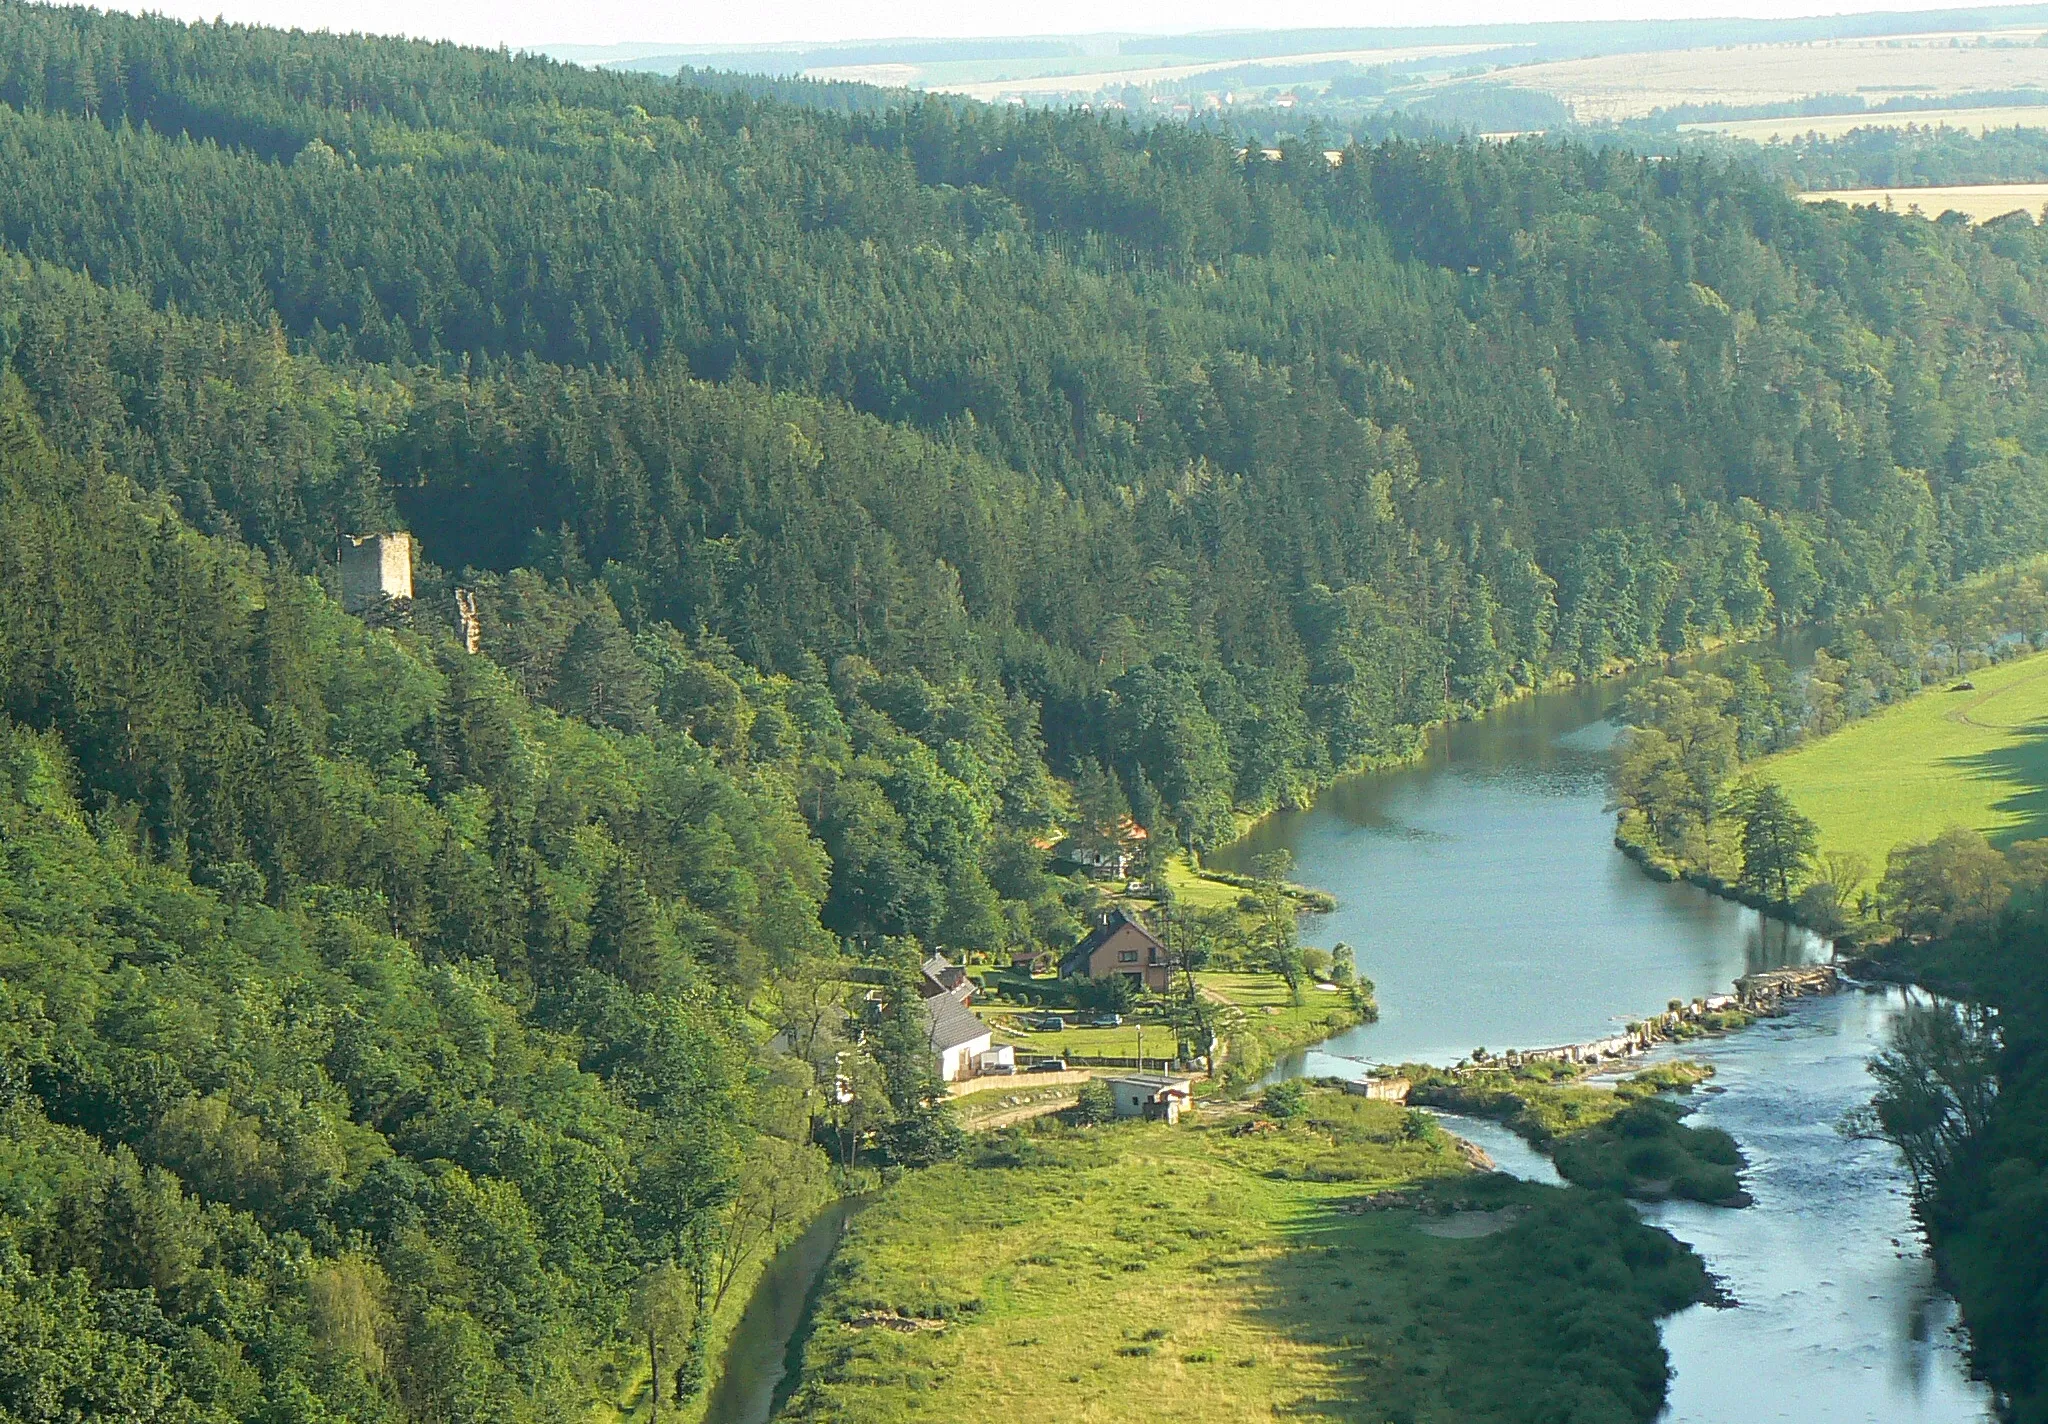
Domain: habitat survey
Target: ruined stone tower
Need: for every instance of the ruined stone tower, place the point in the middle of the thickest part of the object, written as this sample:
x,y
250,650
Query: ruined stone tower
x,y
375,569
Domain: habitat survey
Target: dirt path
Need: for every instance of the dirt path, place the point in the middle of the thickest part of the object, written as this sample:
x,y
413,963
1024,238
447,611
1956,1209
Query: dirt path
x,y
1023,1112
1962,713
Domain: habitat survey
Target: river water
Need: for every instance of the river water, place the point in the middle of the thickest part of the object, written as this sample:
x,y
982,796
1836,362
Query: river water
x,y
755,1377
1481,893
1480,890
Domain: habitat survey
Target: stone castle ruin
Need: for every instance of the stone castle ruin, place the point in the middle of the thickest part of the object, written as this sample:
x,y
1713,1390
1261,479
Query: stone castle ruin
x,y
376,569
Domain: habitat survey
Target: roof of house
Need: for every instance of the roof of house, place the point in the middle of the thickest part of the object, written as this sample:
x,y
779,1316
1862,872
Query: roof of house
x,y
1075,960
1155,1083
951,1023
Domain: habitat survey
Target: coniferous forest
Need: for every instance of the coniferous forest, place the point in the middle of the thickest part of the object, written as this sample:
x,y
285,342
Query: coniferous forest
x,y
390,1033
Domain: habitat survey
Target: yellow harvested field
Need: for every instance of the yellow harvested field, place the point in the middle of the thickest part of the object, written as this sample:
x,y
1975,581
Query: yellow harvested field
x,y
991,90
1973,121
1979,203
1627,86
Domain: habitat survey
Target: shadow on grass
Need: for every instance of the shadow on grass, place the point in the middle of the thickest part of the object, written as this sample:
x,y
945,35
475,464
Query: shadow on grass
x,y
1553,1317
2020,764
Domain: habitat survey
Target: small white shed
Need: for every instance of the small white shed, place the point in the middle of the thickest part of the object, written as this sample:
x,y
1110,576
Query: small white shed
x,y
1151,1095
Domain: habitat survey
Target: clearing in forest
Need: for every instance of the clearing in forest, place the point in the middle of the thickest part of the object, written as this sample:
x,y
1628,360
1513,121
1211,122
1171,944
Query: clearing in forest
x,y
1974,756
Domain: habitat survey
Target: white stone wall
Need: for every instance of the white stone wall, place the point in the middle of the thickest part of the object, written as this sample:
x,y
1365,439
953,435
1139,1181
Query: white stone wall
x,y
375,568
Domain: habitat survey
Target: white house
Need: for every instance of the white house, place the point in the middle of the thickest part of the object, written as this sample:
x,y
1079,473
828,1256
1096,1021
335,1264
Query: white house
x,y
958,1037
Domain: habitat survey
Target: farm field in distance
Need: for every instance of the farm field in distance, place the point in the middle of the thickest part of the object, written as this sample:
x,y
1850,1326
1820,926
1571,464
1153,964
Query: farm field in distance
x,y
1976,758
1631,86
1114,75
1980,202
1831,126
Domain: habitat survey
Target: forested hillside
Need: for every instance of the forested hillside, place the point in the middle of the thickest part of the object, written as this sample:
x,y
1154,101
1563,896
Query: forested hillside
x,y
838,488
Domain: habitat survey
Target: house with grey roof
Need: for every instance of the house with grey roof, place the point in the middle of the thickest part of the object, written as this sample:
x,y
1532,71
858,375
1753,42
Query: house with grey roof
x,y
957,1035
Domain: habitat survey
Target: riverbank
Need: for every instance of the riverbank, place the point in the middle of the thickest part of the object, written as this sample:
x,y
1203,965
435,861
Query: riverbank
x,y
1245,824
1911,723
1262,1021
1624,1136
1351,1263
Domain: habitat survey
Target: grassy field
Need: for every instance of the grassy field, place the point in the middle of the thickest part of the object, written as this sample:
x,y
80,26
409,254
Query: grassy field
x,y
1979,202
1194,892
1139,1272
1267,1024
1267,1008
1977,758
1159,1040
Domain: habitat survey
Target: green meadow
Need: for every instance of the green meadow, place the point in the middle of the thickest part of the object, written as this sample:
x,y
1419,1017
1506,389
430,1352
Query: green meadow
x,y
1976,757
1138,1272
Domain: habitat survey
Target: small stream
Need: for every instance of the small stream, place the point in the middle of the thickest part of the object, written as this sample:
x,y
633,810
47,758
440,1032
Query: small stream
x,y
757,1374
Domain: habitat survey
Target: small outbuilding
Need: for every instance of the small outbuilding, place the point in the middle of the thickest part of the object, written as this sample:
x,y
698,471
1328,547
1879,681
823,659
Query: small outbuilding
x,y
1153,1096
1386,1090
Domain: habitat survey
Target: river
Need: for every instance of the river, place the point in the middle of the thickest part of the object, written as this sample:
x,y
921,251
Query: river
x,y
1481,892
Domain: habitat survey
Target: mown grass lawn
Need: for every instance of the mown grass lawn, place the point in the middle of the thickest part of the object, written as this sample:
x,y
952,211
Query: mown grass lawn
x,y
1138,1272
1977,758
1191,891
1271,1015
1159,1039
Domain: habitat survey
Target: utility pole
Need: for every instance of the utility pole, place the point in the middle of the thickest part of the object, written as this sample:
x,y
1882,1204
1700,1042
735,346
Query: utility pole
x,y
653,1377
1174,956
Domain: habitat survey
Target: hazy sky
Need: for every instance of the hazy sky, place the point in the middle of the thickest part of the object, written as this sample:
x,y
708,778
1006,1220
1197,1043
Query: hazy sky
x,y
530,23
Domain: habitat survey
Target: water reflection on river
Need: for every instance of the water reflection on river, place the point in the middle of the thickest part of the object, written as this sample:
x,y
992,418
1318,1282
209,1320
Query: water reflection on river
x,y
1482,893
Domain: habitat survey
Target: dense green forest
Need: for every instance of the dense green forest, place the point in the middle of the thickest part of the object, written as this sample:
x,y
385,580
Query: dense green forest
x,y
1918,156
387,1031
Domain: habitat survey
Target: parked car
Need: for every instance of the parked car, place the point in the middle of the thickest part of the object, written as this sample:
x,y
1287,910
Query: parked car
x,y
1047,1023
1106,1021
1048,1065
